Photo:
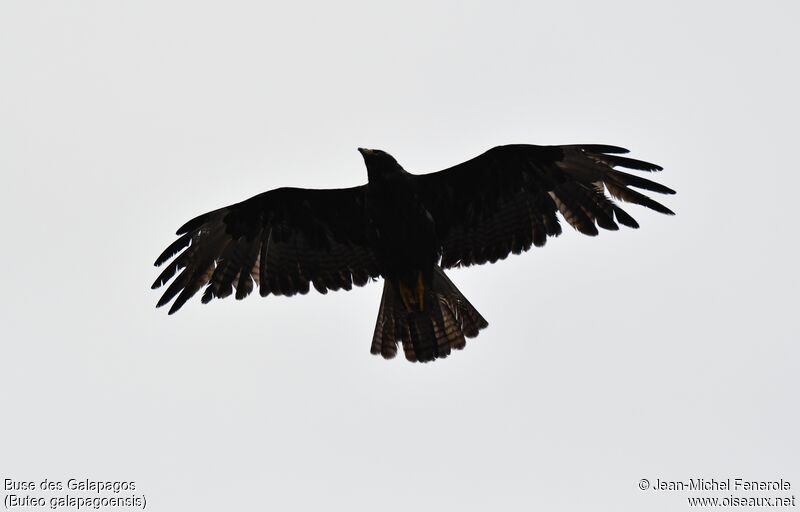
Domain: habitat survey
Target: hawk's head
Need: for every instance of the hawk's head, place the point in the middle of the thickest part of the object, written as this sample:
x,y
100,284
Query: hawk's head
x,y
380,164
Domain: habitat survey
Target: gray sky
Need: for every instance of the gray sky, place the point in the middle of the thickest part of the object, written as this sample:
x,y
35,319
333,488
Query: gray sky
x,y
666,352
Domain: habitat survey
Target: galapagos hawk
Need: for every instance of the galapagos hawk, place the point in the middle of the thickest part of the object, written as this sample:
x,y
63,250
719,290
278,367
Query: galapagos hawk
x,y
405,228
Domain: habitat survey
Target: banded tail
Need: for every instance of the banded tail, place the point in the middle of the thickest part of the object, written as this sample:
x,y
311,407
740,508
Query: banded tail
x,y
446,319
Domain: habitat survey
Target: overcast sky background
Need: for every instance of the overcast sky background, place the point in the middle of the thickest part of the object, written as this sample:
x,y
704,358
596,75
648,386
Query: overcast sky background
x,y
666,352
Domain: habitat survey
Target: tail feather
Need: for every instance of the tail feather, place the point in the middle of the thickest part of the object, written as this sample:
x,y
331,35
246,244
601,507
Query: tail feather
x,y
386,327
444,323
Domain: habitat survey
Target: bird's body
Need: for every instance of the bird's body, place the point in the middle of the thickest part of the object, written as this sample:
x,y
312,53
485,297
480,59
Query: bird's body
x,y
400,228
417,305
405,228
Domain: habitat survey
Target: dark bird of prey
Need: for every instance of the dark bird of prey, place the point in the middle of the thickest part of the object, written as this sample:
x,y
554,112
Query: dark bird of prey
x,y
405,228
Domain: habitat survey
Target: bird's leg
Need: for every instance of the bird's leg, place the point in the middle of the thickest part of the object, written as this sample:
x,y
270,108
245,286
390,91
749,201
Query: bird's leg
x,y
407,296
421,292
413,298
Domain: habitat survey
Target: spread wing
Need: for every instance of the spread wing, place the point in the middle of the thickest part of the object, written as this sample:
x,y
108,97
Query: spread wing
x,y
506,200
284,240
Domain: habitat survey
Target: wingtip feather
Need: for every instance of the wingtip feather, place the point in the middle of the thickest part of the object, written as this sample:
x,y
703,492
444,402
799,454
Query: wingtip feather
x,y
602,148
172,249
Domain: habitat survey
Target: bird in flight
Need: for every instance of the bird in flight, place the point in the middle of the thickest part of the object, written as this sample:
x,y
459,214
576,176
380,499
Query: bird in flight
x,y
405,228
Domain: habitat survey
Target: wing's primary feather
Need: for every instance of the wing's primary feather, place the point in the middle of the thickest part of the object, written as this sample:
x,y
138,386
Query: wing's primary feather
x,y
506,200
284,241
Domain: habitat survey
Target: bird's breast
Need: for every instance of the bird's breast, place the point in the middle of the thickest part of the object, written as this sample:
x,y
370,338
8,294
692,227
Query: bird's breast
x,y
402,230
